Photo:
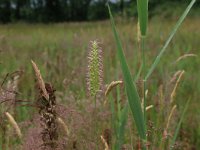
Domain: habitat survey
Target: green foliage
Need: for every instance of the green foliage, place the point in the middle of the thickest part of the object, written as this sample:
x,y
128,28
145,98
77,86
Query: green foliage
x,y
142,7
98,11
121,127
133,97
132,93
61,53
158,57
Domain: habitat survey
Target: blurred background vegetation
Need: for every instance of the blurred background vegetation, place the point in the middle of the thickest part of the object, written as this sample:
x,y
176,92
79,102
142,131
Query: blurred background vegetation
x,y
48,11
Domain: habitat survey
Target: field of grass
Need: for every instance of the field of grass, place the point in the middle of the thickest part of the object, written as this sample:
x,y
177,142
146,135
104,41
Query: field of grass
x,y
60,51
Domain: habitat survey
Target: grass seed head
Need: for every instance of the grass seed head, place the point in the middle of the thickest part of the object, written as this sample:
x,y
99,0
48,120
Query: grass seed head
x,y
14,124
176,85
64,126
40,80
94,69
111,86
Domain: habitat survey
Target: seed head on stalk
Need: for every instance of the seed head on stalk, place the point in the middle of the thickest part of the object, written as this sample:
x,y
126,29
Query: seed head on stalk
x,y
94,69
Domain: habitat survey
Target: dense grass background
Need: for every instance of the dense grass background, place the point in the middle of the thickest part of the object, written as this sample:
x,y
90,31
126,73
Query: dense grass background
x,y
60,50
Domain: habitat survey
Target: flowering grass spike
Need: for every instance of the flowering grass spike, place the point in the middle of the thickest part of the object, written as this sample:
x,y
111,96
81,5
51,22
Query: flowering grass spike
x,y
94,72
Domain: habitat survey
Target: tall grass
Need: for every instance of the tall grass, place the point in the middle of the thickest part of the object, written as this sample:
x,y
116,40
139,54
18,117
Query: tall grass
x,y
131,90
61,55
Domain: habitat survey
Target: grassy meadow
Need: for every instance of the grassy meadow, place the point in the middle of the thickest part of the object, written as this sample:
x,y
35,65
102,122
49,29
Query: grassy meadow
x,y
60,52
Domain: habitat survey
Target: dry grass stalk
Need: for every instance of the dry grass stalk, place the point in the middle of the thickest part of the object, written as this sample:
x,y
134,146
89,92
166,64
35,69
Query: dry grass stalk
x,y
40,80
176,74
166,134
170,116
111,86
64,126
14,124
105,143
176,85
185,56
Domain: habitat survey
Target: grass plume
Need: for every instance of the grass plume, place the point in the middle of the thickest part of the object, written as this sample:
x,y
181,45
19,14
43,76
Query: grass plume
x,y
14,124
94,68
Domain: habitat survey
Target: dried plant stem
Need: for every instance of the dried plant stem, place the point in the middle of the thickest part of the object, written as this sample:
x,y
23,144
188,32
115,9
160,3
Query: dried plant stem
x,y
48,119
185,56
170,116
47,109
176,85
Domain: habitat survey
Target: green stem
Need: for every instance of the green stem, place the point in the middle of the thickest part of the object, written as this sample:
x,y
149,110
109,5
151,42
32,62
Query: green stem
x,y
144,71
95,113
144,81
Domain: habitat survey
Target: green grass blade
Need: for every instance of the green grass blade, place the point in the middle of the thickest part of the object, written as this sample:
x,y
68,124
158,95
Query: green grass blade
x,y
136,77
122,124
114,116
179,125
169,39
142,7
131,90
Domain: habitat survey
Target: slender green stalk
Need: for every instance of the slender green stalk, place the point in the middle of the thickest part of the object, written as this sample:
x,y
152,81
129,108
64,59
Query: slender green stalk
x,y
142,8
113,116
144,81
144,72
121,126
95,120
136,77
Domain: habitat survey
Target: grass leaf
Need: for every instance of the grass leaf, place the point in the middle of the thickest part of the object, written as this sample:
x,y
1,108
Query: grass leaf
x,y
123,121
157,60
142,7
131,90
